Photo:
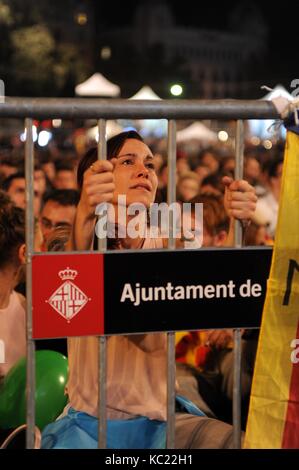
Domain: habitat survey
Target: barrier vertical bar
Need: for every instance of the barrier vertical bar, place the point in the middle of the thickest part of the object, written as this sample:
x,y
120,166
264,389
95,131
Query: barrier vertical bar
x,y
102,345
102,155
239,149
171,198
30,365
237,333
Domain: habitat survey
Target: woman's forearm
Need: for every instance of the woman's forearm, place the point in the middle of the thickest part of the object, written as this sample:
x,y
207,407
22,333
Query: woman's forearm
x,y
83,230
230,239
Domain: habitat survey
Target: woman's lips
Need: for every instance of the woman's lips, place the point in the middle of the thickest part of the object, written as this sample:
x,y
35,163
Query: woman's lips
x,y
142,187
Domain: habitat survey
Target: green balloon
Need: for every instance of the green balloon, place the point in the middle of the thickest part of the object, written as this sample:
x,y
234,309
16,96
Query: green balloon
x,y
51,373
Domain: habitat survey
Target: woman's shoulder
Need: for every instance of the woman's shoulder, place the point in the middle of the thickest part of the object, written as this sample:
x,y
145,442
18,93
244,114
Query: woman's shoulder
x,y
21,299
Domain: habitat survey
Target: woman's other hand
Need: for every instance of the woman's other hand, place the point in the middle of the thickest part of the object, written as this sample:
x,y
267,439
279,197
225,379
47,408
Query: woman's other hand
x,y
239,199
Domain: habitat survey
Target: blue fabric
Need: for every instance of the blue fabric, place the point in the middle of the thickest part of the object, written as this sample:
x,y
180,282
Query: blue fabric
x,y
189,406
79,430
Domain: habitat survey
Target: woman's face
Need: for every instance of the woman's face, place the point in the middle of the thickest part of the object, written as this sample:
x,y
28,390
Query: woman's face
x,y
134,174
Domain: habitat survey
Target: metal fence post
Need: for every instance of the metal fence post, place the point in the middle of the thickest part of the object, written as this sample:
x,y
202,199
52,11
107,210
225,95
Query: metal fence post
x,y
30,365
237,333
171,198
102,345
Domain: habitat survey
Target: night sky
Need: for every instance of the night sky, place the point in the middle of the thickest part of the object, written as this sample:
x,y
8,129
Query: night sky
x,y
281,19
277,63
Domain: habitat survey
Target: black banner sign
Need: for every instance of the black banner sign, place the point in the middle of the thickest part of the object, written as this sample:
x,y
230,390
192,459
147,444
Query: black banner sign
x,y
184,290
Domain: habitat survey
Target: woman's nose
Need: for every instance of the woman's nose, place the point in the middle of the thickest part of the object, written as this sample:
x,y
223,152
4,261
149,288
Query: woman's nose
x,y
142,171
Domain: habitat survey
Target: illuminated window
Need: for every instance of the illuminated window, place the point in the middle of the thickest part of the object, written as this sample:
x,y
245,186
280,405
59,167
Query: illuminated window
x,y
81,18
105,53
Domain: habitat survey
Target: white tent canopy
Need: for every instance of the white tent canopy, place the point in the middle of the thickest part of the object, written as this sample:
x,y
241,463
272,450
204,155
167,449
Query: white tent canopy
x,y
196,131
112,128
97,85
149,127
145,93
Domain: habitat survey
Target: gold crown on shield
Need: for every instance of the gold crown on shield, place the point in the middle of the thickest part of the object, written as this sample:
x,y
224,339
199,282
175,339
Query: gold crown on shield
x,y
67,274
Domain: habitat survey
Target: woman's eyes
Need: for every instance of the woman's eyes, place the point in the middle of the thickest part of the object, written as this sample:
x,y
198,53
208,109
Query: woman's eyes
x,y
150,165
130,161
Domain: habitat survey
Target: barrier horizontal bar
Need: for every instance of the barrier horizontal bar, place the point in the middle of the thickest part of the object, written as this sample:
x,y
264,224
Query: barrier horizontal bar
x,y
72,108
150,250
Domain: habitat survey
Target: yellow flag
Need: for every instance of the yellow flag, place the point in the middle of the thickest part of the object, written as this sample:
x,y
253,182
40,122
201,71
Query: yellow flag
x,y
273,420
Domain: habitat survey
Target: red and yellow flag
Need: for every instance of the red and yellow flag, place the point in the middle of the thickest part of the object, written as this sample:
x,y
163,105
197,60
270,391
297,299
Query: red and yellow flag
x,y
273,420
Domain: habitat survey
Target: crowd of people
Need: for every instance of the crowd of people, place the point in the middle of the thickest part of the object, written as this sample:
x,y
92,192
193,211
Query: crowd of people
x,y
67,189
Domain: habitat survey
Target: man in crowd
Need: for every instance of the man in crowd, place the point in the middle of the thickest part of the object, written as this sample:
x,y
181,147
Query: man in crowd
x,y
59,208
15,187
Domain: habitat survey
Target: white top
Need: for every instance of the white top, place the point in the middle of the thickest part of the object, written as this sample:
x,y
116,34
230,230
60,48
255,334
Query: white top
x,y
12,333
136,372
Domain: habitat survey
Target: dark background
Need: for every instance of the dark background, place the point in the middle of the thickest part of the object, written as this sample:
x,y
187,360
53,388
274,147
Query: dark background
x,y
46,52
281,19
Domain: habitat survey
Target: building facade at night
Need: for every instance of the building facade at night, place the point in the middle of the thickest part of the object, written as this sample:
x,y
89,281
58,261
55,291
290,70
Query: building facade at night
x,y
219,63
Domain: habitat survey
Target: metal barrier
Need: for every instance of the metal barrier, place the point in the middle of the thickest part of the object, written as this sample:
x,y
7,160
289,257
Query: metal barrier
x,y
29,108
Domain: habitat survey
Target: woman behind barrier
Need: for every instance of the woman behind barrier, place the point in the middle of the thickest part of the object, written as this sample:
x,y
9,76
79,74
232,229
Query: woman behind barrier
x,y
12,304
137,364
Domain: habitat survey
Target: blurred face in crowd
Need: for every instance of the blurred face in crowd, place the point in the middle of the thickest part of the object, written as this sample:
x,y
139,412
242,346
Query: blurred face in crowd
x,y
213,239
65,179
49,170
40,178
256,235
275,181
158,161
229,166
17,193
182,166
252,170
55,215
261,235
210,189
209,239
188,188
211,162
163,177
7,170
202,171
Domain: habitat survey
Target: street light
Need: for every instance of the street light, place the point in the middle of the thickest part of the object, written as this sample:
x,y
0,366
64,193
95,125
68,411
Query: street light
x,y
105,53
176,90
223,136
